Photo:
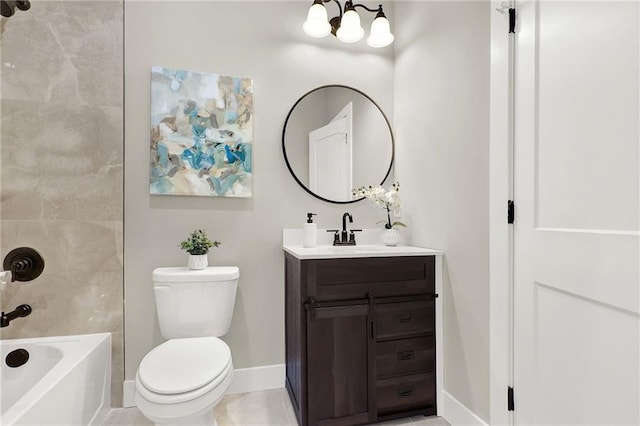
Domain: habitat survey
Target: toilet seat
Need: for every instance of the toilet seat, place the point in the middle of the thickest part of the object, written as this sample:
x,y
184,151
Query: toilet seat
x,y
180,370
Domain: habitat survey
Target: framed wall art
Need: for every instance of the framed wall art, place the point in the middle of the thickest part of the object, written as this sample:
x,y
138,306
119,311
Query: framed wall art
x,y
201,134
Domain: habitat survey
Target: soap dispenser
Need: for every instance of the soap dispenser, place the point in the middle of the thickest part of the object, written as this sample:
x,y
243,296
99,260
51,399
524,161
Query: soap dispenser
x,y
310,232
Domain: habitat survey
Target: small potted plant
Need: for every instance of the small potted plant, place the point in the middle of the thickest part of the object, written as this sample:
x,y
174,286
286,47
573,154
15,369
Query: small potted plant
x,y
198,245
388,201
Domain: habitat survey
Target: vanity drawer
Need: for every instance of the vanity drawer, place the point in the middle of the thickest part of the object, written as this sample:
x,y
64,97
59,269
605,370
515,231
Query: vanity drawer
x,y
404,393
356,278
396,320
406,356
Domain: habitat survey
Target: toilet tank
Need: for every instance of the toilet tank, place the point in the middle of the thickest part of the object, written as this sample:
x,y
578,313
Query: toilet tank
x,y
195,303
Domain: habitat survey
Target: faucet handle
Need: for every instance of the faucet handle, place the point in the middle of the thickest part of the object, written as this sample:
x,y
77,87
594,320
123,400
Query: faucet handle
x,y
25,263
352,236
336,235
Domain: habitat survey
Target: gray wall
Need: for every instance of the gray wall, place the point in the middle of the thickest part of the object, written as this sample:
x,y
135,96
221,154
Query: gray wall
x,y
263,41
62,171
442,129
437,91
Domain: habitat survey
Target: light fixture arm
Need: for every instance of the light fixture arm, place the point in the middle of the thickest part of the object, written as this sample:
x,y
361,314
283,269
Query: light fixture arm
x,y
328,1
350,5
339,6
378,10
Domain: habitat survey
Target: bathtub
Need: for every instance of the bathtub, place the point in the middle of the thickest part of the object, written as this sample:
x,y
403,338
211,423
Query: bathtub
x,y
66,381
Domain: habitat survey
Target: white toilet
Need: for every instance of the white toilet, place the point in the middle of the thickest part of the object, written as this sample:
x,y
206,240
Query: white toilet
x,y
180,381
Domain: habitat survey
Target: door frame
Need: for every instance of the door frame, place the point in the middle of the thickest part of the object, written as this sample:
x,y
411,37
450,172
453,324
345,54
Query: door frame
x,y
500,189
500,232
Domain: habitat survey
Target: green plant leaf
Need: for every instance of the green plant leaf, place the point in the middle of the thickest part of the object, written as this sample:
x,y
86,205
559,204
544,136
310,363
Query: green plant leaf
x,y
198,243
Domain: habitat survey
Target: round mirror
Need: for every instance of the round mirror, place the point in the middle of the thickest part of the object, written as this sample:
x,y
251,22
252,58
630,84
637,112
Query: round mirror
x,y
336,138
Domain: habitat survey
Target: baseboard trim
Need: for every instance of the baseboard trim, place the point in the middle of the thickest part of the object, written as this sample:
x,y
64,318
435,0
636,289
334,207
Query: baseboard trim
x,y
244,380
257,379
457,414
128,392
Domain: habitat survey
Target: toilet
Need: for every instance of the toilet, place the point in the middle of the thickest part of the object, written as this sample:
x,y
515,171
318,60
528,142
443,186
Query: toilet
x,y
180,381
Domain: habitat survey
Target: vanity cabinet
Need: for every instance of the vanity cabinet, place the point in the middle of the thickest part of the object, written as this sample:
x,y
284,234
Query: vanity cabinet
x,y
360,338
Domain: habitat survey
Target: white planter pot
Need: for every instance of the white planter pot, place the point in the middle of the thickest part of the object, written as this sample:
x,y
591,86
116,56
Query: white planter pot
x,y
198,261
390,237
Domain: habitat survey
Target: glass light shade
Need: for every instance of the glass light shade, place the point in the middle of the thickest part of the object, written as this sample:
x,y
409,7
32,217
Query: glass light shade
x,y
380,33
350,29
317,23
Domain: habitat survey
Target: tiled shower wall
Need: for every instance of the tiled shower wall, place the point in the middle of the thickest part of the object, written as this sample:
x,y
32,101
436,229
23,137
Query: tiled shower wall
x,y
62,168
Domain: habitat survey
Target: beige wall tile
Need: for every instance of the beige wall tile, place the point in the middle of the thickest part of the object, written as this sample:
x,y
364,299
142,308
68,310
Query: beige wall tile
x,y
61,161
62,168
80,290
65,52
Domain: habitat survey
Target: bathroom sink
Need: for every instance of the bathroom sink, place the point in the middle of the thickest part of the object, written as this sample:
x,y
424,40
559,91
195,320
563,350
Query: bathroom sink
x,y
356,249
331,252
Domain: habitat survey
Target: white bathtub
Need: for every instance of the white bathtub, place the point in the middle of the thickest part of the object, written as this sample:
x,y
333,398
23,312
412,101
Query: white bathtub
x,y
66,381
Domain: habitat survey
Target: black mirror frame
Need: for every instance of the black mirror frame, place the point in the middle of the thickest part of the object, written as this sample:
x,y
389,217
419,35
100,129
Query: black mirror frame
x,y
284,151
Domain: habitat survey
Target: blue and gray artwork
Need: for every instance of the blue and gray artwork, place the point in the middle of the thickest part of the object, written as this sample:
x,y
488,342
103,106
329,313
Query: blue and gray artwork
x,y
201,134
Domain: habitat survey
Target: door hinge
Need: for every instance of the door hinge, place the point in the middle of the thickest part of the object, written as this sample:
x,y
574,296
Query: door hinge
x,y
512,20
510,400
511,211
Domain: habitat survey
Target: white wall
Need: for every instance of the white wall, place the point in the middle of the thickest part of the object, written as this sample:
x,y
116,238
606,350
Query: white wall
x,y
263,41
441,121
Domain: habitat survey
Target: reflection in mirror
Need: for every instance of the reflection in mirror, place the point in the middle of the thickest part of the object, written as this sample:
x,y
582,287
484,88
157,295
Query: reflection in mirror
x,y
336,138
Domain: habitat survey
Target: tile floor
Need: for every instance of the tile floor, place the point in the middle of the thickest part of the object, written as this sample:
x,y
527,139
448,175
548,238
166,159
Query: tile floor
x,y
266,408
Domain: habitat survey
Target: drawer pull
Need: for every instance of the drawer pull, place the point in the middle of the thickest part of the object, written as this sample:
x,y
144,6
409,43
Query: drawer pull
x,y
405,317
405,392
406,355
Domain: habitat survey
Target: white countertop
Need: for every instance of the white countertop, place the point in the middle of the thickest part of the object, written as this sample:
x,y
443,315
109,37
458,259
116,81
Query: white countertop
x,y
334,252
292,243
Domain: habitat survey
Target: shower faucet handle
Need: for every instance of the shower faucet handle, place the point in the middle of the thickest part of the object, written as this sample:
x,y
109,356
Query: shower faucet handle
x,y
25,264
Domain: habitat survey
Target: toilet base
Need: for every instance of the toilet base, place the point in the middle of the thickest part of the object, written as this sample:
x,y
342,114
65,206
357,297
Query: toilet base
x,y
175,414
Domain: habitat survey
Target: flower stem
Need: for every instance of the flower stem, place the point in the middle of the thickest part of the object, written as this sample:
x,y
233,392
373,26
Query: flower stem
x,y
388,225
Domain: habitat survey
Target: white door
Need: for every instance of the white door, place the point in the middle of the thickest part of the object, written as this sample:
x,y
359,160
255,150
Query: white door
x,y
330,158
576,189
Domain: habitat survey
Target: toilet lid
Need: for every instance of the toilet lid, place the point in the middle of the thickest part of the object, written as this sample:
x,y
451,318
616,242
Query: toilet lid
x,y
182,365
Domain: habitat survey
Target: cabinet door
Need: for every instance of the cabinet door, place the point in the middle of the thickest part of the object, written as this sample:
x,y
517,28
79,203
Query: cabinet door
x,y
339,354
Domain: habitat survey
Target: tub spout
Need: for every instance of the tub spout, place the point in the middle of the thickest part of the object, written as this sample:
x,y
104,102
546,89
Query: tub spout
x,y
20,311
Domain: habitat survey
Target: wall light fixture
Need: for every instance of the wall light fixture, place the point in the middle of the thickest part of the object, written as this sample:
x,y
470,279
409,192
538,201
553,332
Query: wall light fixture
x,y
346,26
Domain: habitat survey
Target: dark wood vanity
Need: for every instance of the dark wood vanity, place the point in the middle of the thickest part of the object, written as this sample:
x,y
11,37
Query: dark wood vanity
x,y
360,338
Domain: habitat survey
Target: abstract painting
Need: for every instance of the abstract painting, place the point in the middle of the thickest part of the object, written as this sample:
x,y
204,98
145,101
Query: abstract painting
x,y
201,134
